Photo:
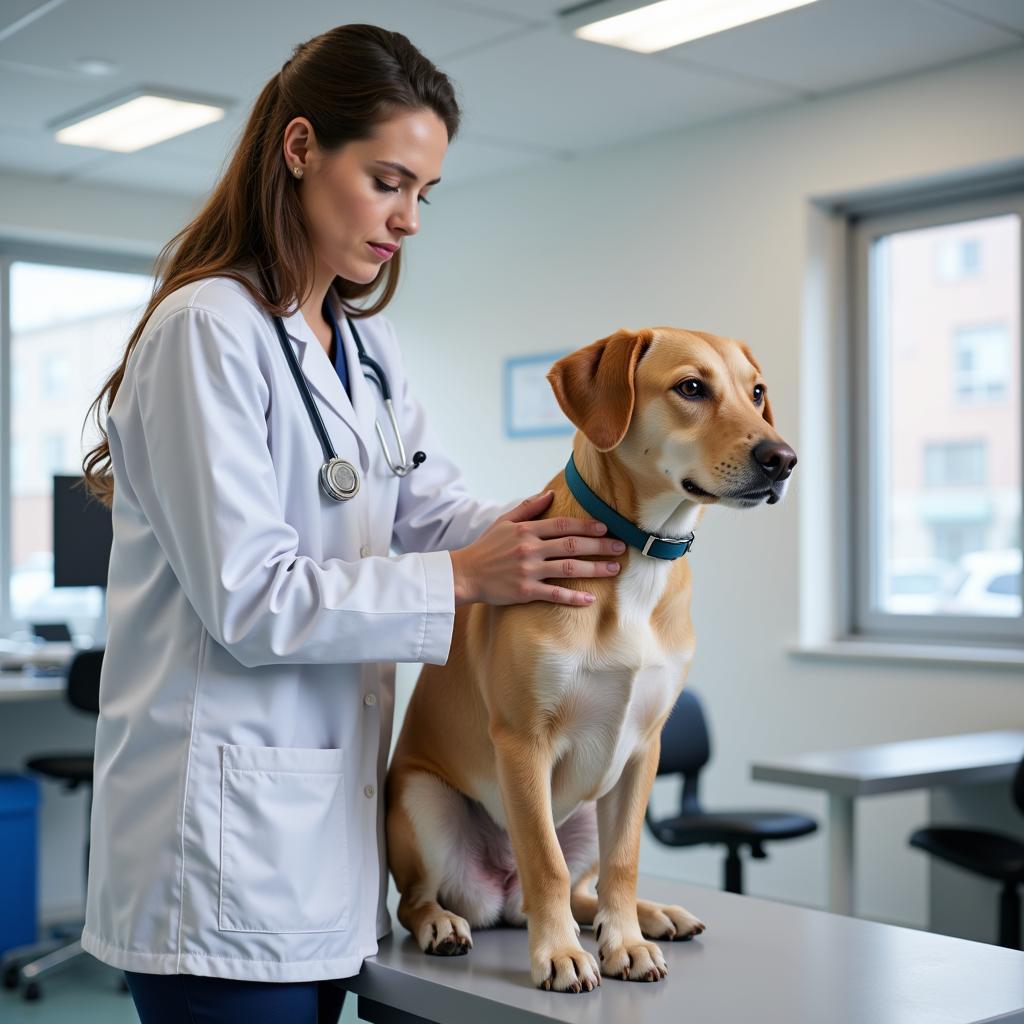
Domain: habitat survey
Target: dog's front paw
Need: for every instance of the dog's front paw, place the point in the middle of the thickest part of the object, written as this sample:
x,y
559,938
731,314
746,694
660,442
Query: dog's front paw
x,y
624,954
444,934
637,961
667,921
565,968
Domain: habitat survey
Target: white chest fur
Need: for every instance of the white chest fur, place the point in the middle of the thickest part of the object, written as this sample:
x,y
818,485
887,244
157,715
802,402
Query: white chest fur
x,y
607,699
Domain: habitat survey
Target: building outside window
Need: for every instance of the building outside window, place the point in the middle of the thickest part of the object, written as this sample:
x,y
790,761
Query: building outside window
x,y
936,443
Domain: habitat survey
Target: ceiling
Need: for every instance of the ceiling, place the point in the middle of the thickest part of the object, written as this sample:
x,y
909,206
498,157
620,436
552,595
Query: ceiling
x,y
530,91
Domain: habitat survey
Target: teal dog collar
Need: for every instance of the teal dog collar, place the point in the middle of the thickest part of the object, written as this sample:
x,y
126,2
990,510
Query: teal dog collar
x,y
651,544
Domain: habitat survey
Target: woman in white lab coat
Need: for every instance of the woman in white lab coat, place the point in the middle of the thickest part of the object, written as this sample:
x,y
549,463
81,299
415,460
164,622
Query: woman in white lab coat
x,y
248,680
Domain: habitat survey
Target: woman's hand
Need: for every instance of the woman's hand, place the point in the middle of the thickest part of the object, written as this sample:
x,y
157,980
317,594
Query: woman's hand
x,y
507,562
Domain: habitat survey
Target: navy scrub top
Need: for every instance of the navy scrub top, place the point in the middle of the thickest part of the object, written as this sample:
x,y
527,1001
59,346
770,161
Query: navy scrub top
x,y
339,348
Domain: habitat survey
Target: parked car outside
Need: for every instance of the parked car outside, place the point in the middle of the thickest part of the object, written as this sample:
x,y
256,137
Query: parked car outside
x,y
989,583
915,586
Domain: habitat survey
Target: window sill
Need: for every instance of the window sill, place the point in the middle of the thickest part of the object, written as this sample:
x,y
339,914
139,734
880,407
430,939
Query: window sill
x,y
849,650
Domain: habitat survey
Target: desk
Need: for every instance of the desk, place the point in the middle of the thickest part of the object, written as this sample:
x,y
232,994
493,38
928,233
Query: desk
x,y
887,768
758,961
23,686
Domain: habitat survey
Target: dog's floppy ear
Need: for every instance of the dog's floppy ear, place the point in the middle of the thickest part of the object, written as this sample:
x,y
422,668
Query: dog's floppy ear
x,y
766,409
595,385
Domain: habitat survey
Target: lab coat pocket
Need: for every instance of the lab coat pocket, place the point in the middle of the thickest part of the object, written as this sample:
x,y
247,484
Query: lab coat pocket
x,y
283,858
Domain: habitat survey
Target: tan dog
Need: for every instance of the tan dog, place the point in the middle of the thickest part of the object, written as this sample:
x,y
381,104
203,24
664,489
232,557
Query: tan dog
x,y
525,763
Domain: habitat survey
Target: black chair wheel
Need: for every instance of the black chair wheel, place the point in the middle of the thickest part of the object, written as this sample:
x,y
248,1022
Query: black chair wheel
x,y
11,977
33,993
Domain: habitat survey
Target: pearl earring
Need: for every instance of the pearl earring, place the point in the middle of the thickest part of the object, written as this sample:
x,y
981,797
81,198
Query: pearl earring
x,y
297,171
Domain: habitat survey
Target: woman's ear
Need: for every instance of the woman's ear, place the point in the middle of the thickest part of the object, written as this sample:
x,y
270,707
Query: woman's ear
x,y
595,385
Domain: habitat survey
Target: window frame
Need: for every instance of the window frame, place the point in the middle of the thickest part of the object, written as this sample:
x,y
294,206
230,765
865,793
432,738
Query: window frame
x,y
866,402
12,251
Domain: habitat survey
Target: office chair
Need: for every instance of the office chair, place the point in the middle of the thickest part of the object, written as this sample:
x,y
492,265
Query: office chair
x,y
29,963
990,854
685,749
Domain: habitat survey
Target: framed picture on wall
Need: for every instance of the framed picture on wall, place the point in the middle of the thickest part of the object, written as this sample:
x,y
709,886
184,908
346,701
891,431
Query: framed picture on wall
x,y
530,406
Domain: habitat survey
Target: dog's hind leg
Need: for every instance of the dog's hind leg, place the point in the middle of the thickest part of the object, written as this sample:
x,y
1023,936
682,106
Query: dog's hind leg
x,y
431,855
657,920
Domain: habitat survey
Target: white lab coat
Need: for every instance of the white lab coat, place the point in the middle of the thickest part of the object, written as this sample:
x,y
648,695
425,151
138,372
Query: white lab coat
x,y
247,690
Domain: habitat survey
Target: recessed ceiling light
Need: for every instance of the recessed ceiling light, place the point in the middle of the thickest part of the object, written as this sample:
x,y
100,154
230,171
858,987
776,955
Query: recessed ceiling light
x,y
130,123
668,23
95,66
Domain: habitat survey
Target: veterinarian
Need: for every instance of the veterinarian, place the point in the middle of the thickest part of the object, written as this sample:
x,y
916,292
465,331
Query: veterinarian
x,y
255,613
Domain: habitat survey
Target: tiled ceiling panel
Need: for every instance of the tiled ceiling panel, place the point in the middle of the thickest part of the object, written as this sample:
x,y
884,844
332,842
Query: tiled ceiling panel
x,y
550,89
833,44
1007,13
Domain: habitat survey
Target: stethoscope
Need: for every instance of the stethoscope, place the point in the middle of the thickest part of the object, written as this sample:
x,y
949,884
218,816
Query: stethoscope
x,y
339,479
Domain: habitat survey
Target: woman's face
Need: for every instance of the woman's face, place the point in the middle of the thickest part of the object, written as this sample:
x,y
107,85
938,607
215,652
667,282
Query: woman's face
x,y
361,201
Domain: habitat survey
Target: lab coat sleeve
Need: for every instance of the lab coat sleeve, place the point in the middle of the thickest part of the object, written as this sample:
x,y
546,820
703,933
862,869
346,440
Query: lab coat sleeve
x,y
208,488
435,510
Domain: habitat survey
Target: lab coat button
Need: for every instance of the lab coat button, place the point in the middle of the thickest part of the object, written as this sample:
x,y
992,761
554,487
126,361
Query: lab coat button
x,y
368,792
370,699
364,552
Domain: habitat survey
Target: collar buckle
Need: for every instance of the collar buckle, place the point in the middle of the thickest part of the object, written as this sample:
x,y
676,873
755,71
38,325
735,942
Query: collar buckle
x,y
667,540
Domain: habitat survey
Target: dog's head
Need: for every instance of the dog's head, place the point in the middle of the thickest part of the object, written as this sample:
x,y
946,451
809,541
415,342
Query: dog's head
x,y
687,411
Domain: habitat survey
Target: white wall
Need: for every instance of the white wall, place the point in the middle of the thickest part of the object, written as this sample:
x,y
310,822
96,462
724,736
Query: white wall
x,y
703,229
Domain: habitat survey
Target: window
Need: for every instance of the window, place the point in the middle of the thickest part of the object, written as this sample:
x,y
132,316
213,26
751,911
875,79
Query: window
x,y
1008,584
66,329
957,258
937,424
53,453
982,363
954,464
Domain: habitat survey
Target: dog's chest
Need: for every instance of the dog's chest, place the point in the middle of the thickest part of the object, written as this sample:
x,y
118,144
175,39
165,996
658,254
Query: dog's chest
x,y
603,698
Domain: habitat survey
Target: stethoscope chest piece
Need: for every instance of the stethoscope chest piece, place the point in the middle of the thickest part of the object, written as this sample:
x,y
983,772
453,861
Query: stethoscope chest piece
x,y
339,479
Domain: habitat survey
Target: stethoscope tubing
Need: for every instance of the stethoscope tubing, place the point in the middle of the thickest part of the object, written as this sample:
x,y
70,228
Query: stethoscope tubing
x,y
339,479
314,412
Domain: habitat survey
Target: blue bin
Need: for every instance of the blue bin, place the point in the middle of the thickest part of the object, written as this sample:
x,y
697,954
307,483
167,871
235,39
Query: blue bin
x,y
19,829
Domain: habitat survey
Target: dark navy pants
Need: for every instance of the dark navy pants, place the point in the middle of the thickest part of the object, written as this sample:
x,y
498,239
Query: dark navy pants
x,y
189,999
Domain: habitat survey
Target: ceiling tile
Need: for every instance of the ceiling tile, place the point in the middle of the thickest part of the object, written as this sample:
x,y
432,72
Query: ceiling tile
x,y
145,171
37,152
549,89
13,11
469,159
832,44
228,47
519,10
32,101
1002,12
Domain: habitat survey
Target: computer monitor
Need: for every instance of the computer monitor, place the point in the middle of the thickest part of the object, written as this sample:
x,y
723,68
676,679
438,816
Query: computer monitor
x,y
82,535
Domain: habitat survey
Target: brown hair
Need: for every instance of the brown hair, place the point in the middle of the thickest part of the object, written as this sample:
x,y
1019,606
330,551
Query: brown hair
x,y
345,81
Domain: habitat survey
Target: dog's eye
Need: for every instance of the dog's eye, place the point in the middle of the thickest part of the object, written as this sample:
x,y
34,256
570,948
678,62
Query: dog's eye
x,y
758,393
691,388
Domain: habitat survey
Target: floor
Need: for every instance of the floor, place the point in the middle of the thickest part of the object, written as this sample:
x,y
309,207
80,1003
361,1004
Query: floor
x,y
87,992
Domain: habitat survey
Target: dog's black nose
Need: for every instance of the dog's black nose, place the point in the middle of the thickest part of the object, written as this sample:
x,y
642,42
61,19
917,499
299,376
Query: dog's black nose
x,y
775,458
